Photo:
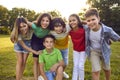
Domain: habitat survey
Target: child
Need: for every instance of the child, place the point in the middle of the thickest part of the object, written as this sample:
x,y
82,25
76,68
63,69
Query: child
x,y
98,43
78,39
51,62
41,29
21,36
58,31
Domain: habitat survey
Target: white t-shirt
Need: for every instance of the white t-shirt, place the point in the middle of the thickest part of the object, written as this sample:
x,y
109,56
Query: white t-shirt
x,y
95,40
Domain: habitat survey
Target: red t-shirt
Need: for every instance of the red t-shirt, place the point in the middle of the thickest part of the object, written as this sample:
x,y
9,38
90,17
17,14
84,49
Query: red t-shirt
x,y
78,39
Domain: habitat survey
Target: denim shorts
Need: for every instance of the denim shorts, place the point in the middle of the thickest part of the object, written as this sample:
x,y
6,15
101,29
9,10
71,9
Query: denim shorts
x,y
19,48
64,53
50,75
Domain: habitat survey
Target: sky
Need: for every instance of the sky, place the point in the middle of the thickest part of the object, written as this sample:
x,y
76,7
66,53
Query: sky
x,y
65,7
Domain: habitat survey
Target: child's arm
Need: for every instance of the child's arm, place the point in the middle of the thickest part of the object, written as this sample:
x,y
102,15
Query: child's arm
x,y
12,36
55,66
27,48
29,23
42,71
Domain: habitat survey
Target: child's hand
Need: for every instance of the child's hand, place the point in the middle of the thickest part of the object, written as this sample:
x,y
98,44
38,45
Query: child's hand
x,y
39,52
54,67
12,38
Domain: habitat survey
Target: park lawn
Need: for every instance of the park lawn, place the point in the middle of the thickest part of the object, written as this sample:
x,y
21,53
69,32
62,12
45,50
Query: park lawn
x,y
8,62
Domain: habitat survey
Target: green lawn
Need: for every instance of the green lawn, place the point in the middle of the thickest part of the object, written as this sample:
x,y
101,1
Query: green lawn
x,y
8,62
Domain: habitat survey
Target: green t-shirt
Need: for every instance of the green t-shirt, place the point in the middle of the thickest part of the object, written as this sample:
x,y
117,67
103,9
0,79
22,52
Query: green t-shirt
x,y
39,32
49,59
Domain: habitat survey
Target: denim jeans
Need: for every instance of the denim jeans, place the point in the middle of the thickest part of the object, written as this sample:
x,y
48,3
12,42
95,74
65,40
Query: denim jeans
x,y
65,55
50,75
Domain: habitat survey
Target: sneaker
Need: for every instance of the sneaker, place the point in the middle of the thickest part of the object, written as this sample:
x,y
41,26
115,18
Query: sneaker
x,y
40,78
65,75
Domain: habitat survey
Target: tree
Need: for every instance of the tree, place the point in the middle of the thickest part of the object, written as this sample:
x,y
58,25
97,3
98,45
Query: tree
x,y
55,13
17,12
3,16
107,9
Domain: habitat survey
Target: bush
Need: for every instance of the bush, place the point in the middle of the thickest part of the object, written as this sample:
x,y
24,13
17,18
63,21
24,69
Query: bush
x,y
4,30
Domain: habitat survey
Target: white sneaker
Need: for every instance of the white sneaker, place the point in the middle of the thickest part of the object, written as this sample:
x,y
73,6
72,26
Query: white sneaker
x,y
65,75
40,78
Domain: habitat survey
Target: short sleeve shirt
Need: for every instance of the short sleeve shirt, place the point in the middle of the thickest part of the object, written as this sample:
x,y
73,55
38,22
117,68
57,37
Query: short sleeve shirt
x,y
49,59
27,36
39,32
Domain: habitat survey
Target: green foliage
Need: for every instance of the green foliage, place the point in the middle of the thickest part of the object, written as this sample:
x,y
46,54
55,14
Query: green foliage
x,y
8,62
4,30
109,11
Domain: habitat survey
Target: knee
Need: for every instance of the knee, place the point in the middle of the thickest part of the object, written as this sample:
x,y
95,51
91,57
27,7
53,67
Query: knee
x,y
60,70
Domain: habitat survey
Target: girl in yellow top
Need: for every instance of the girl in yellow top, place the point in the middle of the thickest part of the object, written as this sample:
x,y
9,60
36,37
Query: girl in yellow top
x,y
60,32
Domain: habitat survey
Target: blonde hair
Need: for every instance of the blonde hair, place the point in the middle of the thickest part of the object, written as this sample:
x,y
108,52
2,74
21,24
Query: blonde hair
x,y
15,32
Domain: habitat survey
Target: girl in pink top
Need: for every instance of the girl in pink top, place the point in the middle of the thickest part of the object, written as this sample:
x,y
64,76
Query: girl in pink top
x,y
78,39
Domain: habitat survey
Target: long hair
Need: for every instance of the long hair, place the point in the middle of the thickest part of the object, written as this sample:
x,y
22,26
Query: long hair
x,y
77,17
16,30
41,17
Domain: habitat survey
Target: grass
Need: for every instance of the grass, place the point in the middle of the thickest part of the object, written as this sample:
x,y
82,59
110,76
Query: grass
x,y
8,62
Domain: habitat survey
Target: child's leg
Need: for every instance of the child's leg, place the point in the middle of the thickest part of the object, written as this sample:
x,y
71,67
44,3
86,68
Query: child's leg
x,y
95,75
76,65
19,66
35,68
95,61
59,72
25,56
49,75
82,59
106,68
65,58
107,74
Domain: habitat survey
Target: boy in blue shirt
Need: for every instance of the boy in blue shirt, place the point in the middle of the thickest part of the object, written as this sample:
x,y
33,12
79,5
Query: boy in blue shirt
x,y
98,43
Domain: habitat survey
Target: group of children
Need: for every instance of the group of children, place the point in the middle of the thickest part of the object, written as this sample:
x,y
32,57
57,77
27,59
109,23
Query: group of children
x,y
48,40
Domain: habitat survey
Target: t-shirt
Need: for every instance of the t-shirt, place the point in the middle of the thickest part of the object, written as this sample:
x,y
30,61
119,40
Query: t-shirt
x,y
39,31
27,36
78,39
95,40
49,59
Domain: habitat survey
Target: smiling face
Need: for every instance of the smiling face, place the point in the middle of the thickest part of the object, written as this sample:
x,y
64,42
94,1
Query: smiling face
x,y
93,22
58,28
73,22
23,28
48,43
45,22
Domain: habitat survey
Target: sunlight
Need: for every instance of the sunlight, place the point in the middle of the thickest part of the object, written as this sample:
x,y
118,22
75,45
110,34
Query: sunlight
x,y
65,7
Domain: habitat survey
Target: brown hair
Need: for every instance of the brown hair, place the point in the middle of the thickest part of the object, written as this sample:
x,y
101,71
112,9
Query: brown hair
x,y
91,12
42,16
78,18
15,32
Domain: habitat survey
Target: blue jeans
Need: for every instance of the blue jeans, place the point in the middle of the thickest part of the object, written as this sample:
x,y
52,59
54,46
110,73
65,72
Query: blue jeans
x,y
64,53
50,75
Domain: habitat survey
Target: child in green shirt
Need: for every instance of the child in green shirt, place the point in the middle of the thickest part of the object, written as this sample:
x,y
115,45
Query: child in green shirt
x,y
51,61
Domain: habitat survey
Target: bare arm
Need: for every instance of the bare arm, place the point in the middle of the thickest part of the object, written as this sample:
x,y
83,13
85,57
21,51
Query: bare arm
x,y
55,66
42,71
29,23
